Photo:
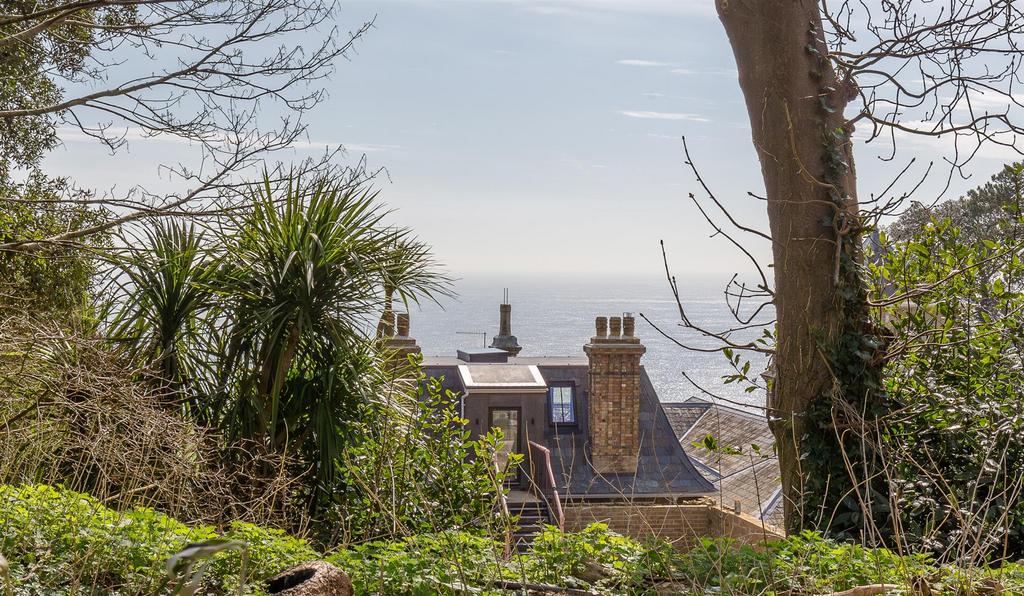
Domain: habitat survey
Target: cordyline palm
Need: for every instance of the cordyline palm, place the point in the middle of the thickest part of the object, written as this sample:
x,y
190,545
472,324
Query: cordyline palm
x,y
162,280
305,277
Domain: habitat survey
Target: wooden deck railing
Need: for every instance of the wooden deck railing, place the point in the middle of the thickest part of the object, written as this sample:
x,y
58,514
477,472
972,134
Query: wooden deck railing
x,y
544,480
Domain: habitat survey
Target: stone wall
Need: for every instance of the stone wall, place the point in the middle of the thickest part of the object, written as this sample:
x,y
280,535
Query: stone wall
x,y
682,525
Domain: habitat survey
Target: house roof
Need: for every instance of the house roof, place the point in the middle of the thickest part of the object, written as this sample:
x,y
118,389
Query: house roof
x,y
751,476
663,467
522,377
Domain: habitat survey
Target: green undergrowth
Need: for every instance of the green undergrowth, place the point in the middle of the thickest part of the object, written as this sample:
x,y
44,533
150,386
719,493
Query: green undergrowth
x,y
62,542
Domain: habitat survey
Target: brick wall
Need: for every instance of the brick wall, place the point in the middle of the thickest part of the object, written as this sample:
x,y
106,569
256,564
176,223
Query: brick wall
x,y
742,527
682,525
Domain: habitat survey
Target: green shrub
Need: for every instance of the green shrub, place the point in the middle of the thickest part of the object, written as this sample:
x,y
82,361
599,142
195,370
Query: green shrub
x,y
63,540
597,557
60,541
53,283
417,473
806,563
269,551
445,562
955,374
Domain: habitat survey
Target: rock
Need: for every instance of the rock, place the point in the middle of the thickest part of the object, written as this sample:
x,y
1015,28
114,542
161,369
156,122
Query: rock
x,y
593,572
990,586
316,578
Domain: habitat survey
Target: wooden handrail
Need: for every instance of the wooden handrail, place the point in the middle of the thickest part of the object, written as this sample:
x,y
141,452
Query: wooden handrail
x,y
505,516
559,513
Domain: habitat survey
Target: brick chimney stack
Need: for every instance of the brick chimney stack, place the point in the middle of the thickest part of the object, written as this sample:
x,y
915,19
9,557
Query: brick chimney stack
x,y
614,376
504,340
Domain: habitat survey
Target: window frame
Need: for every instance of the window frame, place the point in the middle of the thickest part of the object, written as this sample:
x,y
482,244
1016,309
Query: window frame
x,y
573,401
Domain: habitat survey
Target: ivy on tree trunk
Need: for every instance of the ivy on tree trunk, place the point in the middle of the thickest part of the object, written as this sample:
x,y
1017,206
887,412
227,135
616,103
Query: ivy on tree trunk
x,y
825,400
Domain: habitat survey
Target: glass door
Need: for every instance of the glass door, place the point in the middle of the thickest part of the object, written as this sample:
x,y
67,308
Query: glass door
x,y
507,419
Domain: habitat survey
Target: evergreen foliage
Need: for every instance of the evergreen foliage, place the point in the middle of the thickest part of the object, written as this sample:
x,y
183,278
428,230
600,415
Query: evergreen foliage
x,y
954,313
52,284
263,327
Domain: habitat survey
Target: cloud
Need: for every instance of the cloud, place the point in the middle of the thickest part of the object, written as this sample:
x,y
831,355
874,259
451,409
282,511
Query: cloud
x,y
635,62
664,115
350,147
704,8
69,134
718,72
551,10
652,94
950,145
991,101
367,148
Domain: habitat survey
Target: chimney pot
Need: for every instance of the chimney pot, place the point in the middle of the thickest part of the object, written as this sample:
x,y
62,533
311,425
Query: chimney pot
x,y
403,324
602,326
616,324
628,325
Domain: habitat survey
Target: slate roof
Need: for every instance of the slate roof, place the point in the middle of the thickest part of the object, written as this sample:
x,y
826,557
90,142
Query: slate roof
x,y
663,467
749,478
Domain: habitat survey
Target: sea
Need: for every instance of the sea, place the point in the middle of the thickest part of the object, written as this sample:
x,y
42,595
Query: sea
x,y
554,316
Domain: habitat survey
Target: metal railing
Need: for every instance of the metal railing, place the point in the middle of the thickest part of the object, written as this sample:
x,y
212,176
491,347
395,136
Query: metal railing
x,y
544,480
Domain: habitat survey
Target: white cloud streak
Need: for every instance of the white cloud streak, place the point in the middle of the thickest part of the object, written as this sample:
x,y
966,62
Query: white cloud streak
x,y
664,115
705,8
718,72
636,62
135,134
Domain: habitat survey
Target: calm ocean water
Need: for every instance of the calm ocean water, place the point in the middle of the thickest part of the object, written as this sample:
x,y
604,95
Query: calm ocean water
x,y
554,316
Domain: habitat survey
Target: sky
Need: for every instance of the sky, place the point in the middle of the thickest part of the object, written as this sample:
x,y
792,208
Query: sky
x,y
540,137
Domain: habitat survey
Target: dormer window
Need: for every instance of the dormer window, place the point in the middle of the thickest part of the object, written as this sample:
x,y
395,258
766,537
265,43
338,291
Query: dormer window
x,y
562,404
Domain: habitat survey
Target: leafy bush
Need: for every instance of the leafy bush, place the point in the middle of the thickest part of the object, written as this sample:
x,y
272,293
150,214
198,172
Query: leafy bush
x,y
417,472
61,539
62,542
956,377
596,556
444,562
810,564
806,563
51,283
57,540
269,552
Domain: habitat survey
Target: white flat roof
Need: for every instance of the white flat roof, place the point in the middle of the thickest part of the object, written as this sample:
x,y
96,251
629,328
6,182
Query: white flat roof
x,y
501,377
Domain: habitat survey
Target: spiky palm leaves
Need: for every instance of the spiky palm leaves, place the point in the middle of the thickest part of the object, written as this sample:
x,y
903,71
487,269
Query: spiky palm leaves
x,y
306,277
164,295
289,290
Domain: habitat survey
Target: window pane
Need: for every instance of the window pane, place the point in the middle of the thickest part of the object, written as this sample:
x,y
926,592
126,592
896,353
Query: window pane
x,y
562,410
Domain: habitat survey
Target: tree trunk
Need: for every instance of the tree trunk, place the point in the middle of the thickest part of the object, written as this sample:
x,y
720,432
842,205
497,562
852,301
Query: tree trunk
x,y
795,103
